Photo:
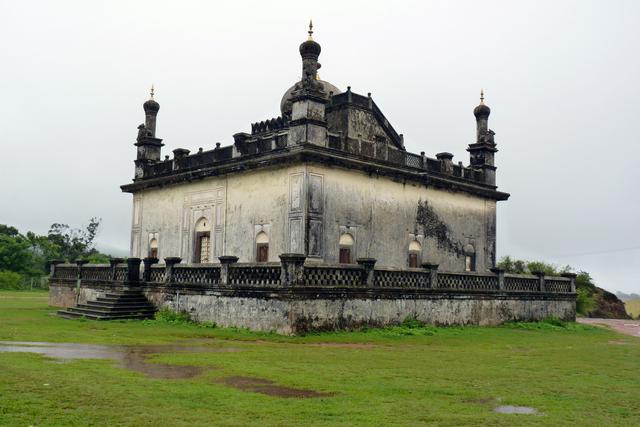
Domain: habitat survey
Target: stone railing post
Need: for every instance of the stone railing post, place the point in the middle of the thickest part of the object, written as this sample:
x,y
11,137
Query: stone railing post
x,y
80,263
292,269
225,265
368,271
113,263
571,276
133,270
432,269
148,262
170,262
500,273
540,275
52,266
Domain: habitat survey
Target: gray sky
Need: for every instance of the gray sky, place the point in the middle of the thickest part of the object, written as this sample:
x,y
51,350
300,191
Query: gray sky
x,y
561,77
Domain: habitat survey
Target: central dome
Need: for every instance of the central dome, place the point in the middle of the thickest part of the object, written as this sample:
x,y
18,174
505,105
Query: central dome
x,y
285,103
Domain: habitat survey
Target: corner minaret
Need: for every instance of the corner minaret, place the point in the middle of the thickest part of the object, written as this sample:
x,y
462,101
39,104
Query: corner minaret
x,y
149,147
482,152
308,123
151,108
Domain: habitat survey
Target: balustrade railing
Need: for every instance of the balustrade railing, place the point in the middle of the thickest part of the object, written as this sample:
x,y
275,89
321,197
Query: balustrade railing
x,y
97,272
292,272
254,274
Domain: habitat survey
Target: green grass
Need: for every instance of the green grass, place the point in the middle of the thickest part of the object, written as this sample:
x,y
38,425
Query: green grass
x,y
411,375
633,308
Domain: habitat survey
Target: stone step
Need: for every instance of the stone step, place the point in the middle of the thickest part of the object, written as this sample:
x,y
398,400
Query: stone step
x,y
133,307
124,296
74,315
108,312
125,304
121,299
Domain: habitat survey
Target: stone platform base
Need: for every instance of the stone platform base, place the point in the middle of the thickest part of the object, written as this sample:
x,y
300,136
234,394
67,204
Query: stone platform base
x,y
303,309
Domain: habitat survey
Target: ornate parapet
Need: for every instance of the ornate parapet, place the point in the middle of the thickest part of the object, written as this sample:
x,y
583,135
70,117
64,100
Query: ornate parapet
x,y
293,272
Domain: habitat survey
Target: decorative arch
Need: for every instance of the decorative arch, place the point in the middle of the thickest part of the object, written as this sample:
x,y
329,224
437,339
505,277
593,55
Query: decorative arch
x,y
262,247
202,241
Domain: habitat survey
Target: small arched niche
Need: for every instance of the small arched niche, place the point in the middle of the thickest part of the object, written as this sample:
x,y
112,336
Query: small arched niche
x,y
346,248
262,247
153,248
202,241
415,254
469,258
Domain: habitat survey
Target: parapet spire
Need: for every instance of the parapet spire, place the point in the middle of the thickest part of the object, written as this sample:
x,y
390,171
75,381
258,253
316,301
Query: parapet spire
x,y
152,91
481,96
310,30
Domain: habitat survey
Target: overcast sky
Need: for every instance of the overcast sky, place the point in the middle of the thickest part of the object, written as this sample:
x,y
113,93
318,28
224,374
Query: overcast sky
x,y
562,79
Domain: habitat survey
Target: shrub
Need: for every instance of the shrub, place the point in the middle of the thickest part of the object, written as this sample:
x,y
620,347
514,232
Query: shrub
x,y
182,317
10,280
585,301
410,322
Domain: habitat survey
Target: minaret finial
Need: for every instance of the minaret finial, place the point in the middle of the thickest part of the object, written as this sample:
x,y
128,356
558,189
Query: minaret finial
x,y
310,29
482,96
152,91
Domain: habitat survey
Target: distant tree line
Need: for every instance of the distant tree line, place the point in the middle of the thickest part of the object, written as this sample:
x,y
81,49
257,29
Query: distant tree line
x,y
24,258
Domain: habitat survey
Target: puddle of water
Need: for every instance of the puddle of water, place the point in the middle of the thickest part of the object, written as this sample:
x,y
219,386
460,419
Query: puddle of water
x,y
129,357
268,387
507,409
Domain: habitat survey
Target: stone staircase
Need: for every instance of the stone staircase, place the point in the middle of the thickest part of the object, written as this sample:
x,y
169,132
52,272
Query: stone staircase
x,y
127,304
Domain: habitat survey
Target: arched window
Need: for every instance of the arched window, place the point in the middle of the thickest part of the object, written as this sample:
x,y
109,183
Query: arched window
x,y
346,248
153,248
202,241
415,250
469,258
262,247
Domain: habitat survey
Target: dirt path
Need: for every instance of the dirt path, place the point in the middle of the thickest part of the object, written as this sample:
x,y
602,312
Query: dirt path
x,y
627,327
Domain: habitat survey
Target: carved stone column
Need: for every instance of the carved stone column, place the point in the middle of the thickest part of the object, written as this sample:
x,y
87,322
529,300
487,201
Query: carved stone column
x,y
500,273
432,269
540,275
148,262
368,272
113,262
292,269
52,266
572,277
170,262
133,270
225,264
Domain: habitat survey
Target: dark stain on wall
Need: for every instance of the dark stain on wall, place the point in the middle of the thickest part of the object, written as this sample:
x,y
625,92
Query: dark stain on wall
x,y
433,226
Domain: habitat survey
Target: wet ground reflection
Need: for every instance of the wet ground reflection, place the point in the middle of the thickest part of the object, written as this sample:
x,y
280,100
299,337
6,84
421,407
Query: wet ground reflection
x,y
129,357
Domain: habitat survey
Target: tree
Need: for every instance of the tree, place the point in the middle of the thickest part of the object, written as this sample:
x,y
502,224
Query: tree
x,y
15,254
74,243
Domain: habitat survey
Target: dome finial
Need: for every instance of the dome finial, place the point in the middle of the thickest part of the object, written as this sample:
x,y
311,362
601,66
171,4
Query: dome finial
x,y
152,91
310,29
481,96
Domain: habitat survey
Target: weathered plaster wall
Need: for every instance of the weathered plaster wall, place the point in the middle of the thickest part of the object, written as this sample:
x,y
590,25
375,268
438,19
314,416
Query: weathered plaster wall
x,y
380,214
237,208
305,208
326,314
68,295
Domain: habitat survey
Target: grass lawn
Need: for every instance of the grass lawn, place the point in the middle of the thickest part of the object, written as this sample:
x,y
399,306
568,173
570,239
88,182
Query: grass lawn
x,y
573,375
